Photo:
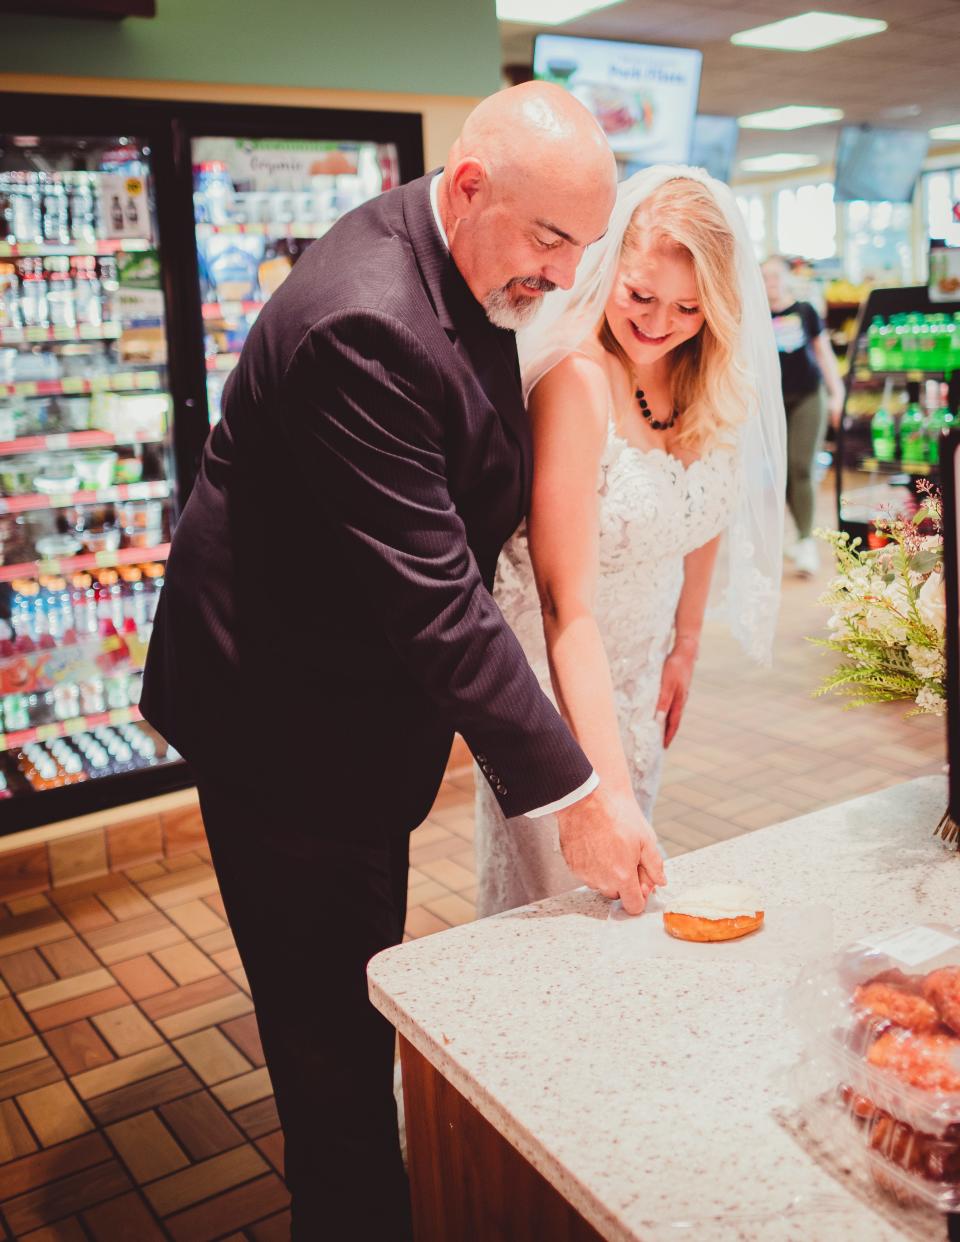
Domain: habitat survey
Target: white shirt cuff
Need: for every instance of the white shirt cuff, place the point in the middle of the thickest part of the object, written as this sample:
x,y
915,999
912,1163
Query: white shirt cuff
x,y
561,804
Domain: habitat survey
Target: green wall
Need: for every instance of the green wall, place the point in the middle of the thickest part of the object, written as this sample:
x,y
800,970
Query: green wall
x,y
443,47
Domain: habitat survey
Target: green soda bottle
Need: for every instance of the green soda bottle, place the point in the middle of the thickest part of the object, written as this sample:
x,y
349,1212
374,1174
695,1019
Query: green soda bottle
x,y
913,436
875,352
940,418
883,433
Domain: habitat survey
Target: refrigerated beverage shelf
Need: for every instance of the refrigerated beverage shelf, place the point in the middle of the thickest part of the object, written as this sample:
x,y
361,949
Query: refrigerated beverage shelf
x,y
304,229
66,565
73,440
61,332
77,385
69,728
222,362
231,310
871,465
910,374
158,490
102,246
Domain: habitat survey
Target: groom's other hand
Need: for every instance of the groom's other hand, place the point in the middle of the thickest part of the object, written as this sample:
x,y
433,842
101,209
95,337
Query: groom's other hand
x,y
607,842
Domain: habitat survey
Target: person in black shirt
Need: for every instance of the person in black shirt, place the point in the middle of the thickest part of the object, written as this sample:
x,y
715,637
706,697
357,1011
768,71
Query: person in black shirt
x,y
812,390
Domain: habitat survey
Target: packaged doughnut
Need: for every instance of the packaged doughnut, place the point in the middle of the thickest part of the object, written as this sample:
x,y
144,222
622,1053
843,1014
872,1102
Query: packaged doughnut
x,y
879,1078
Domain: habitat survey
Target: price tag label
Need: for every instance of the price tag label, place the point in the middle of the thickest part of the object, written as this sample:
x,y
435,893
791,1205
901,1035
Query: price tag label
x,y
48,567
99,383
120,715
3,742
63,332
105,559
76,725
27,388
147,379
36,334
231,310
911,947
4,507
73,383
47,732
61,501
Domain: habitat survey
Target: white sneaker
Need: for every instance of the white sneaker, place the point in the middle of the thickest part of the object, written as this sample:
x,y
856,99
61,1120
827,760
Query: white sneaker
x,y
806,557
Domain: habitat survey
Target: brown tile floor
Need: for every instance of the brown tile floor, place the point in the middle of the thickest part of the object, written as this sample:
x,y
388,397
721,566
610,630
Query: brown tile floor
x,y
133,1099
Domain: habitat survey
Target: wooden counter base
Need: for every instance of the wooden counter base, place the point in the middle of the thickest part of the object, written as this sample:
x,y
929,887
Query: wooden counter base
x,y
467,1183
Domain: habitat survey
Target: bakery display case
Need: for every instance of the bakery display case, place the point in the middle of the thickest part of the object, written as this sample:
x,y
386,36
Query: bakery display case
x,y
902,390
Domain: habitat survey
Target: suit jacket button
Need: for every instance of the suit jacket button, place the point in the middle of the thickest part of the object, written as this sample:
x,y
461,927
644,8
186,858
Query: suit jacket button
x,y
501,789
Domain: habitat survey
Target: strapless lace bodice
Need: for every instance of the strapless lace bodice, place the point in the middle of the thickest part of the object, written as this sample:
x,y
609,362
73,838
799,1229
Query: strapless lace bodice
x,y
654,510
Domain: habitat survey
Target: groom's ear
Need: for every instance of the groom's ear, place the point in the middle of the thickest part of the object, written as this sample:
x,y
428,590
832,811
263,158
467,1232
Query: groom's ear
x,y
467,182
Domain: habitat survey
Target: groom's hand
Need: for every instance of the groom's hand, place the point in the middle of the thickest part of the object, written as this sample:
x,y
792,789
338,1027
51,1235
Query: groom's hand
x,y
607,842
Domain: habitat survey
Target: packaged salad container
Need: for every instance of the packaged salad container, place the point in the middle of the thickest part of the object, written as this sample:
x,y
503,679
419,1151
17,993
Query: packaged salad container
x,y
879,1079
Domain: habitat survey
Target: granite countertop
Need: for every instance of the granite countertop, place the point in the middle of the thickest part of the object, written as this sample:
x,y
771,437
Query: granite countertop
x,y
643,1077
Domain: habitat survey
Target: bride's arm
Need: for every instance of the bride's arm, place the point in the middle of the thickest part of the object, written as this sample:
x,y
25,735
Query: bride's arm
x,y
688,622
568,411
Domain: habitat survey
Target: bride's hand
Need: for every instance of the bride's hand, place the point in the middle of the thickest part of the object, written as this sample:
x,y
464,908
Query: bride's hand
x,y
675,686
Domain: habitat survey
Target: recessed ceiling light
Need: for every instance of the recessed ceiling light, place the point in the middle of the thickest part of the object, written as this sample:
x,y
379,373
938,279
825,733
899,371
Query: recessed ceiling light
x,y
784,162
548,12
792,116
946,133
808,31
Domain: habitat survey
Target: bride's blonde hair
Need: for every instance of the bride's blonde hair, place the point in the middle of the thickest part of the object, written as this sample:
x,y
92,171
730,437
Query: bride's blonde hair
x,y
708,388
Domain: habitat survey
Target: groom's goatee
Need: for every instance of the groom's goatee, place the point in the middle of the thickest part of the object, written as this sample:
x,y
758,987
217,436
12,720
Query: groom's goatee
x,y
505,313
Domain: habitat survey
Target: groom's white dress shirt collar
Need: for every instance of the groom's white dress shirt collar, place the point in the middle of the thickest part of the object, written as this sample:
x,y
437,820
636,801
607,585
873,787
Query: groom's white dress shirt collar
x,y
592,781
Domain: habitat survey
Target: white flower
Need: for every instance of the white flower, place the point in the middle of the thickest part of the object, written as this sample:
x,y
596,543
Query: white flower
x,y
931,603
928,663
929,701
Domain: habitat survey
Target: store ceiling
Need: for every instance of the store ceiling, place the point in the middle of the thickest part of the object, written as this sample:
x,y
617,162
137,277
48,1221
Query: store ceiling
x,y
915,63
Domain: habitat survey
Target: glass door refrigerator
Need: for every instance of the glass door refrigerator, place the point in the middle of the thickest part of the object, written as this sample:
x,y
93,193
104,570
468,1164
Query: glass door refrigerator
x,y
266,183
138,242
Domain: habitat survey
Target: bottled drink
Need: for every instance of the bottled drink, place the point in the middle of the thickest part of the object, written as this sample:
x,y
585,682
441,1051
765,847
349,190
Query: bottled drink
x,y
23,608
134,596
56,222
116,214
86,291
83,604
897,353
33,294
883,432
214,196
875,353
940,342
153,585
10,313
941,417
953,351
82,204
25,219
109,287
913,435
58,607
60,293
109,598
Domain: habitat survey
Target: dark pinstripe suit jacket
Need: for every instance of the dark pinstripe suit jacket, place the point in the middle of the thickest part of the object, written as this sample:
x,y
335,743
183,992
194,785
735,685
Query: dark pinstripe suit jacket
x,y
326,616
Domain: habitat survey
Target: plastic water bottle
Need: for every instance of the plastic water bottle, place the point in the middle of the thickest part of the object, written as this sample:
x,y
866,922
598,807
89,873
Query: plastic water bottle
x,y
21,608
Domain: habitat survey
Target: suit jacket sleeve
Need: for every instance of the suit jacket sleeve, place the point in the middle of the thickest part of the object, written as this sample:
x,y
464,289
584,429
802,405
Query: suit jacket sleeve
x,y
363,416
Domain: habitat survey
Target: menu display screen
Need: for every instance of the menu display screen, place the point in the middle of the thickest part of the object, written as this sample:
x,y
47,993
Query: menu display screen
x,y
644,97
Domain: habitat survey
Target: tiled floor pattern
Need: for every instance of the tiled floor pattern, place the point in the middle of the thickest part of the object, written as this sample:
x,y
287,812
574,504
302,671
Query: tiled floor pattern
x,y
133,1099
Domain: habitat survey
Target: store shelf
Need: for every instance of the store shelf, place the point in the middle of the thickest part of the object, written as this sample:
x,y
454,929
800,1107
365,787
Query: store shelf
x,y
222,362
72,440
158,490
918,470
102,246
305,229
911,374
69,728
77,385
231,310
87,560
80,332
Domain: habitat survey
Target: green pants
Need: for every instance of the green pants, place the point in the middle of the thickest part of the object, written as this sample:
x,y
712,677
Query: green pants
x,y
806,425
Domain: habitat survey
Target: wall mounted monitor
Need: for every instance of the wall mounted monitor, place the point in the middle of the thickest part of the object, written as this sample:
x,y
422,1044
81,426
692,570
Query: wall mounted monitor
x,y
878,165
644,97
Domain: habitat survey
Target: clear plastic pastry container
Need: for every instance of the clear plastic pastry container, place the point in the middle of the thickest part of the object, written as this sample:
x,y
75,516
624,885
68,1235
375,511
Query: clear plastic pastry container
x,y
878,1083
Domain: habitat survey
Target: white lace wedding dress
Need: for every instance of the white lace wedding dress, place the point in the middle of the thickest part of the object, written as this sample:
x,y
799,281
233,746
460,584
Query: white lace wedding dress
x,y
653,511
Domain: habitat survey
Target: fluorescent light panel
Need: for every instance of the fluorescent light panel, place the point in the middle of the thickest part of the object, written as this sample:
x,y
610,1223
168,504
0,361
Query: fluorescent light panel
x,y
946,133
793,116
808,31
548,12
784,162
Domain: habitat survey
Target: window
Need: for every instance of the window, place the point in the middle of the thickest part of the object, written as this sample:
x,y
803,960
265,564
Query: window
x,y
807,221
877,242
941,190
754,212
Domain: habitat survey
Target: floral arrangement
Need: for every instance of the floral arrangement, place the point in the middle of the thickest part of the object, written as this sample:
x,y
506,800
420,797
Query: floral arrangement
x,y
888,616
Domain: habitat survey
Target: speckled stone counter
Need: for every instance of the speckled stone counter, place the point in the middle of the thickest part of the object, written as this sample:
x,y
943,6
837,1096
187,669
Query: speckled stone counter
x,y
645,1087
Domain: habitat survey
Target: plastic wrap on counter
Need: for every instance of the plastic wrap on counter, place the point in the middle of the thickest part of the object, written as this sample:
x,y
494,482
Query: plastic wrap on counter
x,y
879,1079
